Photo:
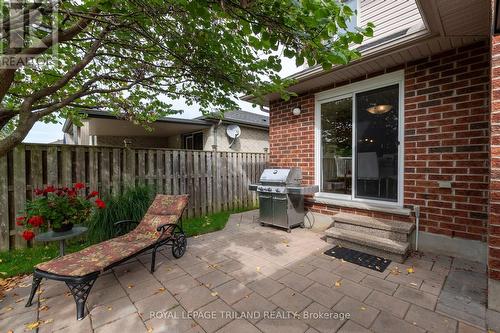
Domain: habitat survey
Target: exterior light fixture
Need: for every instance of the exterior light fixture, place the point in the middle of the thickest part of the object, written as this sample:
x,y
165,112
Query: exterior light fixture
x,y
379,109
296,111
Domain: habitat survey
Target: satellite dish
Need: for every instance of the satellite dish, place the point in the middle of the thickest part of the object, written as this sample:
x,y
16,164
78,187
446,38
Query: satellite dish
x,y
233,131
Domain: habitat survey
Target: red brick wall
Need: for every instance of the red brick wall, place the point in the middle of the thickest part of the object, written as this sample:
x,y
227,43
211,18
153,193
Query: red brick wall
x,y
494,214
446,138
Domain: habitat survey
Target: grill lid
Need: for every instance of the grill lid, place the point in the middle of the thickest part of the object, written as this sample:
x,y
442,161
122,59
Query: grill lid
x,y
286,176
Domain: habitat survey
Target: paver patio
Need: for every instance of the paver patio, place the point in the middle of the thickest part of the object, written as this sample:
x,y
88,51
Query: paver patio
x,y
248,277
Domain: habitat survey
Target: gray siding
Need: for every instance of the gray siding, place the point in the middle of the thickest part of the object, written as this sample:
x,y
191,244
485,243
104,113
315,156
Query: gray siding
x,y
389,16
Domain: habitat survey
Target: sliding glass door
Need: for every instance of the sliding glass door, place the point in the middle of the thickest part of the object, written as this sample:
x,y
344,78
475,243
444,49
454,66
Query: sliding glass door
x,y
360,148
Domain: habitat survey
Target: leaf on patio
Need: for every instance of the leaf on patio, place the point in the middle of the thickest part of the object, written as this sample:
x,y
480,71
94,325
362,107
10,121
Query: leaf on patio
x,y
490,330
162,289
342,260
363,308
67,294
32,326
10,308
257,268
214,293
43,308
110,308
337,283
149,328
130,286
48,321
10,331
19,300
41,300
413,284
410,270
395,271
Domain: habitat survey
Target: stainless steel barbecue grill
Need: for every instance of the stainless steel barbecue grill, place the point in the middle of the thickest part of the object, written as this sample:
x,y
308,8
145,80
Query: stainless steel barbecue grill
x,y
281,197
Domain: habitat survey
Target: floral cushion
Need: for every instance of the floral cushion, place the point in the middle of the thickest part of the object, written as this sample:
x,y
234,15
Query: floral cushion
x,y
98,257
168,204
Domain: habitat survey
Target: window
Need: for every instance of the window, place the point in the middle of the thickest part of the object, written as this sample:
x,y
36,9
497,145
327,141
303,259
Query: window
x,y
193,141
358,136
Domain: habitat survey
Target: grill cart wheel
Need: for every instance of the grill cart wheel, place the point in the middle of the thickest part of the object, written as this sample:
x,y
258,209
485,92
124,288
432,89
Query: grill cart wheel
x,y
179,246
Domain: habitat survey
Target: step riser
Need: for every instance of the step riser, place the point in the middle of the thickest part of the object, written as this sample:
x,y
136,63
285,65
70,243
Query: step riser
x,y
399,258
372,231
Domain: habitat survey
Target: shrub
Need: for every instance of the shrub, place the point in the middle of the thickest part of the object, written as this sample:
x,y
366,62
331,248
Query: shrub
x,y
132,204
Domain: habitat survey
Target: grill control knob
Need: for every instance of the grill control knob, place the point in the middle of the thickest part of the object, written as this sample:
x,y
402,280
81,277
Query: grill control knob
x,y
277,190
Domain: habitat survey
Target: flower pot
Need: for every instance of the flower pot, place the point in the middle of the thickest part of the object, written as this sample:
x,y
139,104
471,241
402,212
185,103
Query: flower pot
x,y
63,228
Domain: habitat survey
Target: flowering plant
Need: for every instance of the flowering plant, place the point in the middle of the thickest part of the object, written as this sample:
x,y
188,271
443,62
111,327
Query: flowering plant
x,y
57,208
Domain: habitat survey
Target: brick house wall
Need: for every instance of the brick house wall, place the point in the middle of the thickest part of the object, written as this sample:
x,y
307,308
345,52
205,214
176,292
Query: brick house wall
x,y
494,213
446,139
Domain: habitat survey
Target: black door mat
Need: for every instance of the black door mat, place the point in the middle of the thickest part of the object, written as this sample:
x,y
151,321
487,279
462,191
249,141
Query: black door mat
x,y
359,258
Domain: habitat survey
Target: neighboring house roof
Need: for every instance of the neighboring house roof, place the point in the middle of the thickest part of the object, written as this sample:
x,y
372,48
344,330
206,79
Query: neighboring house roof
x,y
107,115
240,117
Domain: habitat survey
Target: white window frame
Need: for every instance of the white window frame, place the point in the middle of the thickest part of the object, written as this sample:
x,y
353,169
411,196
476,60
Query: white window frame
x,y
350,91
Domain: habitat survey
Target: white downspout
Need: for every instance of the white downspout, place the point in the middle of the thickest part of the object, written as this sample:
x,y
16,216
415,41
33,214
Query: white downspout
x,y
416,209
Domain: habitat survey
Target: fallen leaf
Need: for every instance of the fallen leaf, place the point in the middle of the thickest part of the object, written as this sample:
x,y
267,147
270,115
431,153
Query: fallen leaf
x,y
19,300
43,308
48,321
33,325
130,286
257,268
110,308
337,283
410,270
149,328
490,330
67,294
363,308
162,289
214,293
413,284
41,300
342,260
10,331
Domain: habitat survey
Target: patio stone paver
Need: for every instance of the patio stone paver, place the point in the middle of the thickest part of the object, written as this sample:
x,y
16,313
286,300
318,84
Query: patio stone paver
x,y
296,281
417,297
352,289
387,323
384,286
430,320
181,284
246,268
387,303
324,277
112,311
352,327
159,302
130,323
323,295
290,300
266,286
214,279
232,291
359,312
210,323
240,326
322,318
195,298
252,304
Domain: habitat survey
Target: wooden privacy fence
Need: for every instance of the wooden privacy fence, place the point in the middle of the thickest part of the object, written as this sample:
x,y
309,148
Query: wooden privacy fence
x,y
216,181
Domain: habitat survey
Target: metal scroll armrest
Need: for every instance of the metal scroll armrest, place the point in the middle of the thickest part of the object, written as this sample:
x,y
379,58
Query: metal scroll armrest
x,y
124,226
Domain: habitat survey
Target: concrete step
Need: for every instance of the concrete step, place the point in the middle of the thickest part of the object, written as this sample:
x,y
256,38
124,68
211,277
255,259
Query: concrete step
x,y
368,243
395,230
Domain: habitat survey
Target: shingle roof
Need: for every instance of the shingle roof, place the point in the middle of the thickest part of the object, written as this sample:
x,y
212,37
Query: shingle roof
x,y
242,117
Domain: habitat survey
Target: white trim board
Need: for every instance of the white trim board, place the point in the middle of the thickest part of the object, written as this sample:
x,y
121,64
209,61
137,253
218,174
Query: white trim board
x,y
396,77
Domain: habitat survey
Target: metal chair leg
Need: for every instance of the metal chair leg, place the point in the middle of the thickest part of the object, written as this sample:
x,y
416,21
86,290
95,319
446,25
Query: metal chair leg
x,y
153,259
80,293
34,286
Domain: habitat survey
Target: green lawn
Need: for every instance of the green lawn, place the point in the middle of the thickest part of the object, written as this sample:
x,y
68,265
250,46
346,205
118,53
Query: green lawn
x,y
22,261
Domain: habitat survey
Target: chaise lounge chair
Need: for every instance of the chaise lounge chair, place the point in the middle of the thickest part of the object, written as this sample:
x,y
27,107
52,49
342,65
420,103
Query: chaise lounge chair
x,y
79,270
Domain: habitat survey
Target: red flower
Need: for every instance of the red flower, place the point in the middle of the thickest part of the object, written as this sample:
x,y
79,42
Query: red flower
x,y
99,203
49,189
28,235
39,191
92,194
71,193
36,221
20,220
79,186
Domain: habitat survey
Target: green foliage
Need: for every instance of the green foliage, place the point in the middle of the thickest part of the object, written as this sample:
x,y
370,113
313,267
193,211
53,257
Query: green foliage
x,y
132,204
208,223
151,51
